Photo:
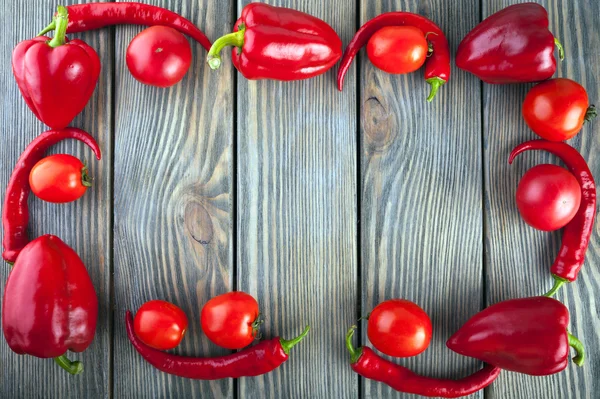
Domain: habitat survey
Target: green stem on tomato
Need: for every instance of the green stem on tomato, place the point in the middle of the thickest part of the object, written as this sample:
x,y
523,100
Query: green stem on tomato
x,y
71,367
561,50
435,83
354,352
578,346
232,39
591,113
288,344
62,20
558,282
86,180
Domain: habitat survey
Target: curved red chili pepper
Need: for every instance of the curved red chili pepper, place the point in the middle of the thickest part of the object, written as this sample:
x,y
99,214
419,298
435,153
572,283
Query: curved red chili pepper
x,y
576,234
437,67
90,16
259,359
15,213
368,364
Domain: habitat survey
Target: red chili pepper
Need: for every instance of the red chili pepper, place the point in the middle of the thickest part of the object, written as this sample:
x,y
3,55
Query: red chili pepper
x,y
15,213
365,362
90,16
278,43
576,234
513,45
56,77
437,66
50,305
259,359
527,335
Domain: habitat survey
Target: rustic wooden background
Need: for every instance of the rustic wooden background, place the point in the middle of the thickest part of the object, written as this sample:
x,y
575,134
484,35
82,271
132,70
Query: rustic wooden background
x,y
321,204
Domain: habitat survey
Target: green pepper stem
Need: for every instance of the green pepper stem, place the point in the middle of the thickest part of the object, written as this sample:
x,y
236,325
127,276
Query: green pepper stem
x,y
354,352
62,20
48,28
435,83
561,50
232,39
591,113
288,344
86,180
10,263
72,367
578,346
558,282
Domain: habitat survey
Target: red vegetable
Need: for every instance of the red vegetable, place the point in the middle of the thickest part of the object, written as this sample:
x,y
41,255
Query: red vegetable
x,y
527,335
437,67
15,213
576,235
557,109
548,197
59,178
90,16
160,324
513,45
159,56
56,77
231,320
368,364
400,328
278,43
50,305
398,49
260,359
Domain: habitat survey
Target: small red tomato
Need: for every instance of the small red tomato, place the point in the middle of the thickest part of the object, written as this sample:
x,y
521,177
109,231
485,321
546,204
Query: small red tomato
x,y
231,320
398,49
548,197
159,56
59,178
557,108
400,328
160,324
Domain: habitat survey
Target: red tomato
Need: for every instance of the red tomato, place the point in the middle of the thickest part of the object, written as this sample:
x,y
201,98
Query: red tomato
x,y
159,56
556,109
160,324
398,49
548,197
399,328
59,178
231,320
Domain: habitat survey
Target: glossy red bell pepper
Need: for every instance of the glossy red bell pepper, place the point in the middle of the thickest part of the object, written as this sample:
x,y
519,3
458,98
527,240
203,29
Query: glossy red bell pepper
x,y
278,43
56,77
50,305
527,335
513,45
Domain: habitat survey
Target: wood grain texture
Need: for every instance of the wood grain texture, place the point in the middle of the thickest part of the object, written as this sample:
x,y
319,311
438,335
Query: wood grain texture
x,y
297,218
421,201
173,218
84,225
518,258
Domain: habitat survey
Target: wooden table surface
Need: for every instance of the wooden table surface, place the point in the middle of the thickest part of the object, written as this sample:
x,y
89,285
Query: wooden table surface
x,y
321,204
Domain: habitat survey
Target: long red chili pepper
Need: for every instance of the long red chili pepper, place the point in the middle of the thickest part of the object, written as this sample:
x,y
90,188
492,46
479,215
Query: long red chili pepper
x,y
15,213
90,16
437,67
368,364
576,234
259,359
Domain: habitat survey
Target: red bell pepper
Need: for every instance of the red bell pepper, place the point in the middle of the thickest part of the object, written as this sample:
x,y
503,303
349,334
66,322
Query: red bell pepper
x,y
278,43
50,305
527,335
56,77
513,45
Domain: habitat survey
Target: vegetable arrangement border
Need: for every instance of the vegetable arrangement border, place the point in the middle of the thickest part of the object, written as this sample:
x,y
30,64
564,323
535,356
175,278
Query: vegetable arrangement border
x,y
282,44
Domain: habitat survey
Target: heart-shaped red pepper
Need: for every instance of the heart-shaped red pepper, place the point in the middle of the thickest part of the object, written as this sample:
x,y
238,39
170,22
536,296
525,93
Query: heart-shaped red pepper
x,y
56,77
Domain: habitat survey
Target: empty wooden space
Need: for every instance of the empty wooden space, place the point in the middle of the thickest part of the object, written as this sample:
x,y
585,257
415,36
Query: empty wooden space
x,y
319,203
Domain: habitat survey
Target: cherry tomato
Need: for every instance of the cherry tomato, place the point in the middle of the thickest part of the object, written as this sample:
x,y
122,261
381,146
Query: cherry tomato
x,y
398,49
557,108
400,328
59,178
548,197
160,324
159,56
231,320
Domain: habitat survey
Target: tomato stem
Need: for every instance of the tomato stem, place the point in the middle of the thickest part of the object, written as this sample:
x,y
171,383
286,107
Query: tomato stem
x,y
591,113
256,326
86,180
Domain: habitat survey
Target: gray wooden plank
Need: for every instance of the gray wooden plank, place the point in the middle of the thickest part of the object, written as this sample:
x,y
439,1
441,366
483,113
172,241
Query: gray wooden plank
x,y
518,257
84,225
421,203
297,218
173,226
